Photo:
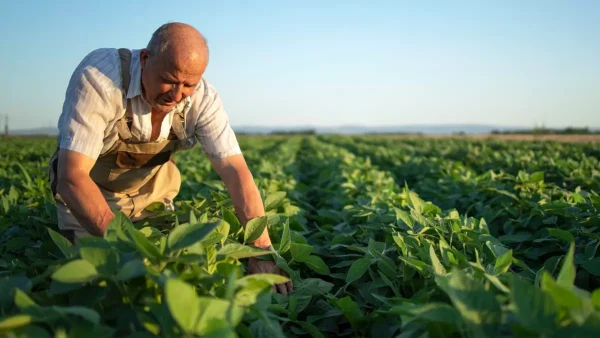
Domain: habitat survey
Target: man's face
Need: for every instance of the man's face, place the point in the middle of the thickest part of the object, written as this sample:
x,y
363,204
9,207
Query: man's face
x,y
167,79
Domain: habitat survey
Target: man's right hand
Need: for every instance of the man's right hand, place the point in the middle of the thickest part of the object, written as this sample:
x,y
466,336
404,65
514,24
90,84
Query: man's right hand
x,y
80,193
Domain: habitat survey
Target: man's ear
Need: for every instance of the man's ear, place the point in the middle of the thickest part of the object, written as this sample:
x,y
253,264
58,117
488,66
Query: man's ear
x,y
144,56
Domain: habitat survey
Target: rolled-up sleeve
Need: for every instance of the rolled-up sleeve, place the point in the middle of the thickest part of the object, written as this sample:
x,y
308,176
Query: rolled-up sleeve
x,y
86,110
213,131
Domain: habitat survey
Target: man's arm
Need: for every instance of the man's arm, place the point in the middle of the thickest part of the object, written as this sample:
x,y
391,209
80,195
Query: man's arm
x,y
80,193
218,141
248,204
244,194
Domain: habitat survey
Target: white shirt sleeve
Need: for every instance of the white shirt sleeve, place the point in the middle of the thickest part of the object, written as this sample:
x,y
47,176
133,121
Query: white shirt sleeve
x,y
213,131
88,108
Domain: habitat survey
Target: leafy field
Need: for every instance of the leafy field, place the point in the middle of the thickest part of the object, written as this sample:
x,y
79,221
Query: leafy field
x,y
382,238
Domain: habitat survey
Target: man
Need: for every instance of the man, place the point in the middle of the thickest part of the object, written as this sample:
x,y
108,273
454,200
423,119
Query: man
x,y
125,113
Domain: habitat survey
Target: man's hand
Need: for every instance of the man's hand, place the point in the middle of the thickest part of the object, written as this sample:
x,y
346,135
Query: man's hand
x,y
248,204
80,193
258,266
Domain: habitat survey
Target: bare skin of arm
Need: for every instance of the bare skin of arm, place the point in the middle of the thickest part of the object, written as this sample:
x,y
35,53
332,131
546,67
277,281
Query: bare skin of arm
x,y
248,204
80,193
244,194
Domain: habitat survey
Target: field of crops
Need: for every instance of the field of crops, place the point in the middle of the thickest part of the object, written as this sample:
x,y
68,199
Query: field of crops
x,y
382,238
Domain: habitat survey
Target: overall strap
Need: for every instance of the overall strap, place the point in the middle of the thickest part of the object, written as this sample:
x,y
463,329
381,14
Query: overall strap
x,y
178,125
122,127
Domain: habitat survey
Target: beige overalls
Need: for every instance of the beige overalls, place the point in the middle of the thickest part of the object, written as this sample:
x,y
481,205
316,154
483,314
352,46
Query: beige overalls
x,y
131,174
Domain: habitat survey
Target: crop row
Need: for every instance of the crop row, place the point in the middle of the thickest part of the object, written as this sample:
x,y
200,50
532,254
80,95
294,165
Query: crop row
x,y
535,216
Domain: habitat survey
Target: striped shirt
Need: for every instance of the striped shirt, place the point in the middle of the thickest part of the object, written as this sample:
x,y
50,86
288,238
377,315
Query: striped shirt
x,y
95,101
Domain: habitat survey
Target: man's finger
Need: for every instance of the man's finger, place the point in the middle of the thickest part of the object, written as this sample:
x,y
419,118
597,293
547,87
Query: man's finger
x,y
290,286
282,289
274,289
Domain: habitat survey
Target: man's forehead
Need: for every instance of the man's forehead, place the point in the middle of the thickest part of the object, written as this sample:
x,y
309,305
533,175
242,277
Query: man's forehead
x,y
188,63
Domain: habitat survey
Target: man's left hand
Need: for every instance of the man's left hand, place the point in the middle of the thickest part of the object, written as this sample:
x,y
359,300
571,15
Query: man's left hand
x,y
259,266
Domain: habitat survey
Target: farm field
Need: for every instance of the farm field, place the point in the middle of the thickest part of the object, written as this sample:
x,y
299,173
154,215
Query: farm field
x,y
382,237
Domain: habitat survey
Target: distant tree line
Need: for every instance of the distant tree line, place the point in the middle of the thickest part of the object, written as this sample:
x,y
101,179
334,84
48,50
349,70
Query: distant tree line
x,y
549,131
280,132
294,132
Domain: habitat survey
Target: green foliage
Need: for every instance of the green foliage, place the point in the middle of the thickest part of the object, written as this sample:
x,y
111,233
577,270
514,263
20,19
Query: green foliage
x,y
380,237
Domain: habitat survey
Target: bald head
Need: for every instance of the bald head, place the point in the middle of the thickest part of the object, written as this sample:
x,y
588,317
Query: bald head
x,y
172,64
178,38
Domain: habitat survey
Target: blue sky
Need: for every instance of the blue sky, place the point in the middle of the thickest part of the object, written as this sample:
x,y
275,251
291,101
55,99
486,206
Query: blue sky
x,y
332,62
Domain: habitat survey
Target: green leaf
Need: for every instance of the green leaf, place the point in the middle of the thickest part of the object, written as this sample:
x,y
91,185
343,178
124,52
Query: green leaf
x,y
566,276
233,221
84,312
537,176
212,239
7,284
592,266
386,265
193,219
310,329
433,312
223,228
186,235
505,193
312,287
578,307
420,266
77,271
105,260
144,245
264,327
300,252
375,247
118,227
156,207
240,251
251,290
255,228
269,278
595,201
401,245
534,309
357,269
216,314
286,238
350,310
596,298
478,307
63,244
22,300
503,263
274,200
497,283
561,234
438,268
563,296
132,269
317,265
515,238
404,217
16,321
389,283
183,303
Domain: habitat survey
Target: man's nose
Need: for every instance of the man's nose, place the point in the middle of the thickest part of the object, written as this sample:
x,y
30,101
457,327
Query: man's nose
x,y
176,93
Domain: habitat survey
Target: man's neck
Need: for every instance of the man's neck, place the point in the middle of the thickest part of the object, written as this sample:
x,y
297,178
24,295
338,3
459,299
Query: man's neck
x,y
158,116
